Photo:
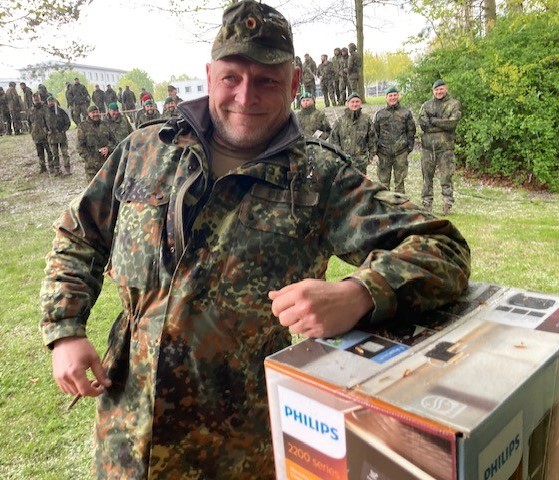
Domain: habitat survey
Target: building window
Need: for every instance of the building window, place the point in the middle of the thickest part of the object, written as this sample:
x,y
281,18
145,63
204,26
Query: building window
x,y
200,88
187,89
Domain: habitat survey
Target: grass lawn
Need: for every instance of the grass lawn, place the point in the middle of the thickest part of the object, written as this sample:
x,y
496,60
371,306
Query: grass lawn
x,y
514,236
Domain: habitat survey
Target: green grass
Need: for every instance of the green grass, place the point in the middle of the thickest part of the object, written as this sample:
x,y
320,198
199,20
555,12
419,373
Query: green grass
x,y
513,235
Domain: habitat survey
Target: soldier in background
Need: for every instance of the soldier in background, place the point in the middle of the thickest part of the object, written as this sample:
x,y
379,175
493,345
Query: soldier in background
x,y
129,102
395,136
27,94
299,64
110,96
58,124
354,65
343,81
39,134
438,118
147,114
80,101
169,108
95,142
353,132
325,73
118,124
98,98
44,94
313,122
173,93
5,117
309,73
336,65
69,98
15,106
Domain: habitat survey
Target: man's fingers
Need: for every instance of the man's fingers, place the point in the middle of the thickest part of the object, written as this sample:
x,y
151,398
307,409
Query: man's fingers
x,y
100,373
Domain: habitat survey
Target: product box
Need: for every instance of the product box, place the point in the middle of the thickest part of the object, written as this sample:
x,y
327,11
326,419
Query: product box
x,y
467,392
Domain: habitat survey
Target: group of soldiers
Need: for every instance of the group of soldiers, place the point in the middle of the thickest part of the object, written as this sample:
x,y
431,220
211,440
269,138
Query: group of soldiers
x,y
339,76
100,125
390,136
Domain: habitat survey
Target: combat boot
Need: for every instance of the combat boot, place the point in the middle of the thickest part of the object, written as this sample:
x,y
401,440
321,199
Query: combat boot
x,y
43,169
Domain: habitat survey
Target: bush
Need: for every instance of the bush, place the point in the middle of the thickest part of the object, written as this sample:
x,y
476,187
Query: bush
x,y
507,83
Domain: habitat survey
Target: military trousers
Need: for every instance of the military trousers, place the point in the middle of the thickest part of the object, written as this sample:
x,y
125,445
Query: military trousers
x,y
327,88
353,83
443,161
93,164
388,163
58,149
344,87
79,113
16,121
42,149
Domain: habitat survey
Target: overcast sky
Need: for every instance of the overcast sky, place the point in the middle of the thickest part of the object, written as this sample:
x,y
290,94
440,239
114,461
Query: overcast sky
x,y
135,36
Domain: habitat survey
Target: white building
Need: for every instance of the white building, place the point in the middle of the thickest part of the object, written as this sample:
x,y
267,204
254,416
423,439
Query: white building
x,y
102,76
191,89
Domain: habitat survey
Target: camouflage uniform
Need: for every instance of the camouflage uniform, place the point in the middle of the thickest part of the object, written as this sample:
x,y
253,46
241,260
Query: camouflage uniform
x,y
343,81
353,132
120,127
336,66
143,117
194,259
110,95
98,98
438,120
15,106
325,72
395,135
58,124
5,116
129,102
38,127
91,137
310,120
309,82
80,102
354,65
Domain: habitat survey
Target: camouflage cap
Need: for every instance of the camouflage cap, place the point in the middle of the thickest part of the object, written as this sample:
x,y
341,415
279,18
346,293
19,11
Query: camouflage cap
x,y
93,108
256,31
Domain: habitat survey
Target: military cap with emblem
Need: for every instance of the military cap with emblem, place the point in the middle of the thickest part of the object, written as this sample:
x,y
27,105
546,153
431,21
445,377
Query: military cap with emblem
x,y
256,31
306,95
438,83
113,106
392,89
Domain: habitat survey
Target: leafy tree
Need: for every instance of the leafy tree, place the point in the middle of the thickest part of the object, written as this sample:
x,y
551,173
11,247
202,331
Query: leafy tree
x,y
137,79
507,83
23,22
56,83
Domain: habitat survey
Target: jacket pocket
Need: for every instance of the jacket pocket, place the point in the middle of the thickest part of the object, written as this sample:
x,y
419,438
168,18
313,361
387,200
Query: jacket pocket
x,y
136,251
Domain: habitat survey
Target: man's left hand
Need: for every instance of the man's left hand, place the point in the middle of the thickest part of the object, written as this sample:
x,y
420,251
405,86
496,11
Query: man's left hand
x,y
316,308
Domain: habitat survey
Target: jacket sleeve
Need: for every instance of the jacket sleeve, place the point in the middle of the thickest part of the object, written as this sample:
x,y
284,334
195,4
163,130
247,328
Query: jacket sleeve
x,y
410,131
75,265
408,260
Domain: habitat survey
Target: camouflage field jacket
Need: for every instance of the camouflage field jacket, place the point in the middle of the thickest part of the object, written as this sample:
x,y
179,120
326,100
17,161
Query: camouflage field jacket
x,y
194,260
394,130
310,120
438,120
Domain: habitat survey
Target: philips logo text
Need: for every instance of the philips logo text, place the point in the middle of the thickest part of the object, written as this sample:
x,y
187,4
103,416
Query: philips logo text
x,y
311,423
502,458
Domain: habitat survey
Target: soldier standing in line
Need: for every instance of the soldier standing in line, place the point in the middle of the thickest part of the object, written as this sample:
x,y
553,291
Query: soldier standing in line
x,y
308,74
129,102
58,124
98,98
110,96
343,82
95,142
173,93
299,64
15,106
80,101
118,124
395,135
44,94
438,118
336,64
354,65
27,94
119,97
353,132
39,134
325,73
313,122
5,117
147,114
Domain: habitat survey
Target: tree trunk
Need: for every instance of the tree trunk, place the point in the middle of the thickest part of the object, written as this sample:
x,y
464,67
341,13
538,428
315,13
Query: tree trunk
x,y
490,7
359,31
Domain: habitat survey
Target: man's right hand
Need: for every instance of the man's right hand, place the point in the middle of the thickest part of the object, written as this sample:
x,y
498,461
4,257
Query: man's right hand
x,y
71,358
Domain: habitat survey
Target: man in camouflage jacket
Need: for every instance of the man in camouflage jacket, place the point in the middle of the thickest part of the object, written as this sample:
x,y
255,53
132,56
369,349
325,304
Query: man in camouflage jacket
x,y
129,102
38,126
343,83
110,96
217,266
15,106
354,68
325,73
118,124
353,132
5,117
58,124
438,118
313,122
147,114
336,66
95,142
98,98
80,101
395,136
